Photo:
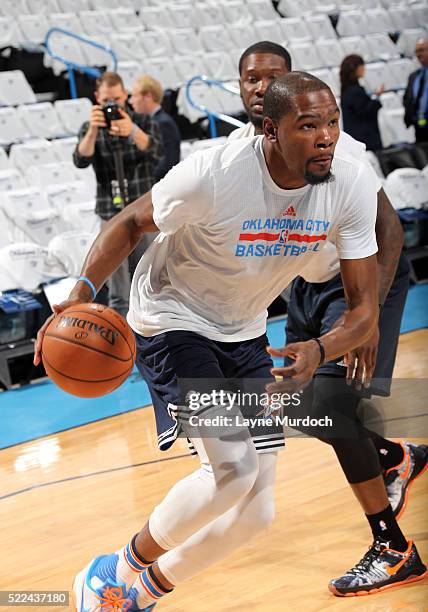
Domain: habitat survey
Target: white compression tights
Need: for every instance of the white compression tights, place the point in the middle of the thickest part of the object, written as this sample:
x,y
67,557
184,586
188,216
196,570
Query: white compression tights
x,y
213,511
221,537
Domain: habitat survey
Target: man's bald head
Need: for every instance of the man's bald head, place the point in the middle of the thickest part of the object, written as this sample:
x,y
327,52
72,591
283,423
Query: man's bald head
x,y
421,51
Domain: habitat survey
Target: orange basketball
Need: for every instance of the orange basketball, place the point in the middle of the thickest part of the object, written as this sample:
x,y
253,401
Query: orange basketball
x,y
88,350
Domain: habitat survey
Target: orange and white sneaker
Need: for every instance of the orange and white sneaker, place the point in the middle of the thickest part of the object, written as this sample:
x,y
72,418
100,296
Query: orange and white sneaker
x,y
399,478
381,568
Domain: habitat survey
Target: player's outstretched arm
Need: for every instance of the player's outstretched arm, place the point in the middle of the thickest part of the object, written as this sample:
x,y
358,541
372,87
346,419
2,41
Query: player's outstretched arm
x,y
356,326
114,243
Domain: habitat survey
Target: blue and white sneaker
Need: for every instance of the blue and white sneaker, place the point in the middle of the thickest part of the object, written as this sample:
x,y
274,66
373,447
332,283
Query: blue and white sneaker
x,y
95,589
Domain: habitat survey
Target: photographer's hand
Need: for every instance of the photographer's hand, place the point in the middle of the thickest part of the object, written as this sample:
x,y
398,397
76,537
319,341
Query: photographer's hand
x,y
126,128
97,119
86,146
122,127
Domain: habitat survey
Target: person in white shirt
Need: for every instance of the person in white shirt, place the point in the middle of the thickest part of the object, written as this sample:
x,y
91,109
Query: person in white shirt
x,y
198,307
370,462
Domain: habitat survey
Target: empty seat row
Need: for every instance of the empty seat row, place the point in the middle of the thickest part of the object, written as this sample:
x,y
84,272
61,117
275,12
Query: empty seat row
x,y
60,181
174,73
26,264
37,152
393,74
46,166
213,99
220,38
43,120
33,28
378,19
180,56
207,11
224,66
380,46
19,27
131,44
41,226
392,127
40,7
407,187
46,232
363,16
329,52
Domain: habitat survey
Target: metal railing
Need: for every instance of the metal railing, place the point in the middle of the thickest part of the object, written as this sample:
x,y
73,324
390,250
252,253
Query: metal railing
x,y
72,66
212,115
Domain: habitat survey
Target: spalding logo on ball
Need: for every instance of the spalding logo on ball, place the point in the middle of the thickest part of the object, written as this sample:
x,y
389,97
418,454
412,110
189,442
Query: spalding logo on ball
x,y
88,350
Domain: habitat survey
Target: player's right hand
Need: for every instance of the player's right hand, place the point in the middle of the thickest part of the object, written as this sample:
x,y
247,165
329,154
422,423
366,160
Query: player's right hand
x,y
361,362
97,119
57,308
305,358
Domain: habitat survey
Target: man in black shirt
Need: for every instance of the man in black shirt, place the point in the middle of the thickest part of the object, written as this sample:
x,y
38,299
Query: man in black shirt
x,y
139,139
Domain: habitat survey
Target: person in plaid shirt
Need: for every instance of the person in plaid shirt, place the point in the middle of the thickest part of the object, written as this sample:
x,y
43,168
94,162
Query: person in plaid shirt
x,y
142,149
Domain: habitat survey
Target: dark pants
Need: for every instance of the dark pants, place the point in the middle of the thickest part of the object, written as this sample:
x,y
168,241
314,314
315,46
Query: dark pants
x,y
421,134
313,310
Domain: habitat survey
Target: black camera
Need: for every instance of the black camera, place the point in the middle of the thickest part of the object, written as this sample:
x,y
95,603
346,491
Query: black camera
x,y
111,112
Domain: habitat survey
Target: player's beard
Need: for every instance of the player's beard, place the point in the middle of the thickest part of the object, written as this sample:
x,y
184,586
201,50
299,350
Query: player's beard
x,y
256,120
316,179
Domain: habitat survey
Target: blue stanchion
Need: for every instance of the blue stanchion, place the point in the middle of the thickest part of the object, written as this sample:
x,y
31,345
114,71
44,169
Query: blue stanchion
x,y
212,115
72,66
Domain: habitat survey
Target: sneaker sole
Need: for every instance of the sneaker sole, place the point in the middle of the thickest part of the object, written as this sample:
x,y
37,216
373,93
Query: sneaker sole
x,y
77,587
373,591
406,492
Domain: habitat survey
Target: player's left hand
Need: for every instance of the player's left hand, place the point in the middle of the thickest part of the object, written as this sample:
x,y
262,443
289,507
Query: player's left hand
x,y
361,362
121,127
306,358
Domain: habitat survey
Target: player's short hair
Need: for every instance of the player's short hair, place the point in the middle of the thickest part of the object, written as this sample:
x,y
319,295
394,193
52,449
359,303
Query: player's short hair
x,y
147,84
280,95
111,79
266,46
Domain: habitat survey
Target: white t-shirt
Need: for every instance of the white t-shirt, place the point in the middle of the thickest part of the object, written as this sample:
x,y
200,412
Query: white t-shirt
x,y
327,265
246,131
231,240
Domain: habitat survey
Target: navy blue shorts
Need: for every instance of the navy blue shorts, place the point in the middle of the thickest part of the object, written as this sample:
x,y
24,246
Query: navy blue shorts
x,y
315,307
165,359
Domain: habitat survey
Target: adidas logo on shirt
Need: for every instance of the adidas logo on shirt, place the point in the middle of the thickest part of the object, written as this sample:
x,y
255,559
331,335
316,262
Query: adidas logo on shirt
x,y
290,212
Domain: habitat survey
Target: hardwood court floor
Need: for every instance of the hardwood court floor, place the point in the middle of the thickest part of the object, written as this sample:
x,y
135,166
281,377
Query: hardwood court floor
x,y
86,491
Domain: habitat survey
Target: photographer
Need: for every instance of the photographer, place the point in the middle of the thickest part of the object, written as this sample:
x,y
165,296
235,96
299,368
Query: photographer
x,y
115,132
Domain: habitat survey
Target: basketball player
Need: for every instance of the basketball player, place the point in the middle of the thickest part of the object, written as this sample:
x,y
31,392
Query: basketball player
x,y
198,307
317,303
